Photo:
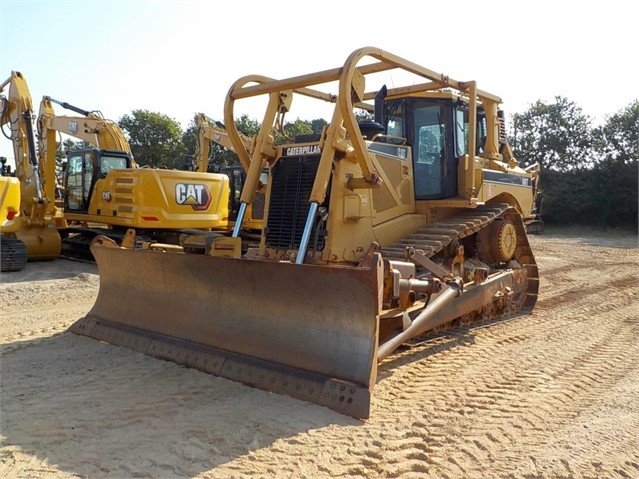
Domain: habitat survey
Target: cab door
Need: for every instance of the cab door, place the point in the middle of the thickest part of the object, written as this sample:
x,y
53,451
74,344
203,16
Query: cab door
x,y
426,125
434,159
78,179
236,182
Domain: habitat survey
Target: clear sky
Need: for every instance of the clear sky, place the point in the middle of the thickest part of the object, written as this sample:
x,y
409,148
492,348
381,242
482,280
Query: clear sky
x,y
180,57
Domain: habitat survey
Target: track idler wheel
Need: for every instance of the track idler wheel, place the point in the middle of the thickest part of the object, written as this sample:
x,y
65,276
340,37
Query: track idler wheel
x,y
498,241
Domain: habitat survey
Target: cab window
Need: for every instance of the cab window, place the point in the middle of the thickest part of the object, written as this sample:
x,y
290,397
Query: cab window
x,y
108,163
430,139
394,116
461,132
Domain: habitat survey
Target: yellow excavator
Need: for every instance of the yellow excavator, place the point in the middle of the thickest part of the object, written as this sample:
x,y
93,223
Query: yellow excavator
x,y
211,131
34,229
105,192
375,234
13,252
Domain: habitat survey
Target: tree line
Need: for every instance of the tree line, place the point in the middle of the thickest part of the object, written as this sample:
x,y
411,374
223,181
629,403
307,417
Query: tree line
x,y
589,173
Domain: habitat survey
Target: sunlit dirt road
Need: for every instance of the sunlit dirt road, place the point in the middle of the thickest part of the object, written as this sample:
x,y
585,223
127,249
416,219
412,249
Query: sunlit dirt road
x,y
549,395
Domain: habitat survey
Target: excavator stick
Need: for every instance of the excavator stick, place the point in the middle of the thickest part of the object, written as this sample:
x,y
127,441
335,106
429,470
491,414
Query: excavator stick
x,y
310,332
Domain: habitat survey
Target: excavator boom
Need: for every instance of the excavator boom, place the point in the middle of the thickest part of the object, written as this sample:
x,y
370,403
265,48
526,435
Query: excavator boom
x,y
210,131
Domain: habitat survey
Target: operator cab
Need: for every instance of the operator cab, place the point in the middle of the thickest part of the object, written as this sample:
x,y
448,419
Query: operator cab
x,y
84,168
437,130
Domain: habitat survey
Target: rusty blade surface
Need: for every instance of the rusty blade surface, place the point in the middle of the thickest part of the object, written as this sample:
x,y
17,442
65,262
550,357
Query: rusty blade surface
x,y
307,318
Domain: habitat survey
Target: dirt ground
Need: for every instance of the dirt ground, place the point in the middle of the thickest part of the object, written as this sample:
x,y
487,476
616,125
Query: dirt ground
x,y
554,394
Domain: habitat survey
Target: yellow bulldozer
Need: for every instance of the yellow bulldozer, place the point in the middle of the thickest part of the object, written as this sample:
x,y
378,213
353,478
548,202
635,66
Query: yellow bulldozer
x,y
376,232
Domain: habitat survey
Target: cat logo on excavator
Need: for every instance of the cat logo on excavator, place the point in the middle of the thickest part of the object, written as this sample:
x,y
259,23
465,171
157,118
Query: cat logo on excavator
x,y
196,195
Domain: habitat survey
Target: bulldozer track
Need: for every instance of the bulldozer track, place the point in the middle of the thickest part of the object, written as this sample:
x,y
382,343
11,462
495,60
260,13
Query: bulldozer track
x,y
436,236
432,239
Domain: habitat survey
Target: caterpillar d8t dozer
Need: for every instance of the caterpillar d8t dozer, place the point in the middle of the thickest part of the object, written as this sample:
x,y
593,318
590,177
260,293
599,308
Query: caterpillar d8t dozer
x,y
375,233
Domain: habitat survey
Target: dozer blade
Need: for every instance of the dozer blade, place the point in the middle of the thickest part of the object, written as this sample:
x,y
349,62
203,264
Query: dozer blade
x,y
307,331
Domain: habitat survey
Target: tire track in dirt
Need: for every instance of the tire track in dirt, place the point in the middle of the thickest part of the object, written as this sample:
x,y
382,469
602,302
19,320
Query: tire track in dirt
x,y
586,372
552,394
504,394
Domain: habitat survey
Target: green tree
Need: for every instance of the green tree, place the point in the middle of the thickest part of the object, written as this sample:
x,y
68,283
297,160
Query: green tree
x,y
155,139
318,125
72,145
616,171
618,139
601,191
188,143
247,126
300,128
292,130
556,135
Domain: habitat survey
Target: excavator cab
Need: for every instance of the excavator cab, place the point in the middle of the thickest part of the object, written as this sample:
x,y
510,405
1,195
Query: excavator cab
x,y
84,168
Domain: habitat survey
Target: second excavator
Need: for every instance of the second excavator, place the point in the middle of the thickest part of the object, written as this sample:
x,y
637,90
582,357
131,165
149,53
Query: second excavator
x,y
103,191
31,232
375,233
105,188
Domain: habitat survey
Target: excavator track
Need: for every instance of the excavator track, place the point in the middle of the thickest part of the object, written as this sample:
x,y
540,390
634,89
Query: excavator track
x,y
433,238
13,254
